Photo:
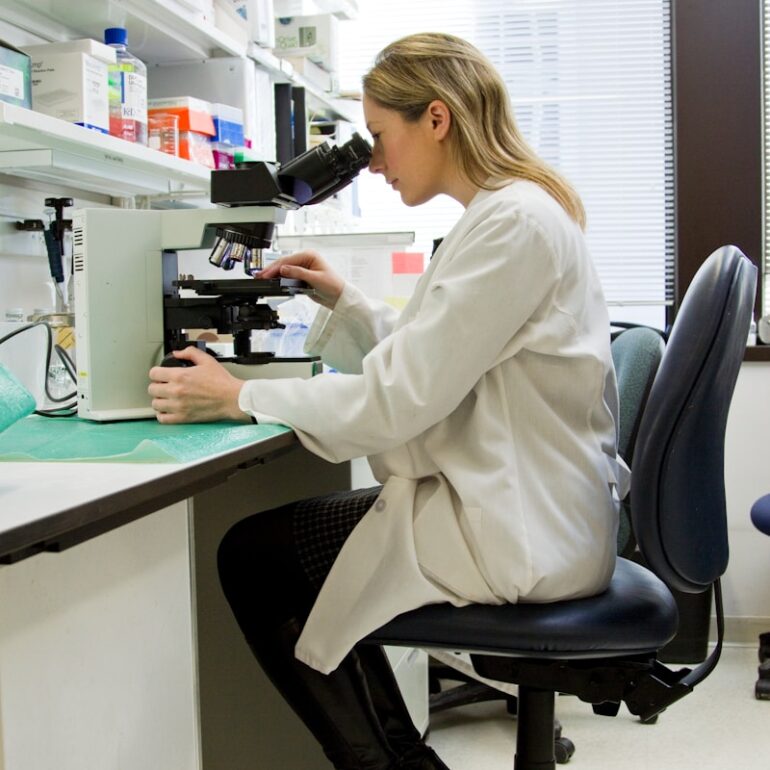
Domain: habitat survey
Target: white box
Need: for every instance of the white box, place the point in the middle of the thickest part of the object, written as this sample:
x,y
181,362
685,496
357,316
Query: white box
x,y
69,81
229,21
342,9
88,46
317,76
314,37
259,18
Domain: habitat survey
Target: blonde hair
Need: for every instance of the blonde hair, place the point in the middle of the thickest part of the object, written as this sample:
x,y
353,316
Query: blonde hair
x,y
486,144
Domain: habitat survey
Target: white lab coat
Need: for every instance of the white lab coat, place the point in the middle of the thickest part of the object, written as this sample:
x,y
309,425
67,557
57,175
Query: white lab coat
x,y
488,411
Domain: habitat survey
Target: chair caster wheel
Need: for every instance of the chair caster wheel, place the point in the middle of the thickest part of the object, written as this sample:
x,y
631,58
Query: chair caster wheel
x,y
764,647
762,689
564,748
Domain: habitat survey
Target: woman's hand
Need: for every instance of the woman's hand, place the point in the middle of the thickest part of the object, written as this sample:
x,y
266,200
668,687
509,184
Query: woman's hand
x,y
205,392
310,267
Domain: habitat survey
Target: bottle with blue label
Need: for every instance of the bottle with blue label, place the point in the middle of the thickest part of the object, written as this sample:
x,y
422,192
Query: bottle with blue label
x,y
127,90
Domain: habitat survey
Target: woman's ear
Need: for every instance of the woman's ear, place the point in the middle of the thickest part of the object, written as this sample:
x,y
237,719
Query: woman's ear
x,y
440,118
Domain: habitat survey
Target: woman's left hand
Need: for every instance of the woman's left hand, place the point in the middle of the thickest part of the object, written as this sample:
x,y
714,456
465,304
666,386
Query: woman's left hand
x,y
205,392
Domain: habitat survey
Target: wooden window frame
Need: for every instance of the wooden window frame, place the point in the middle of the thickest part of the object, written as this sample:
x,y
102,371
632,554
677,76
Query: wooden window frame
x,y
717,90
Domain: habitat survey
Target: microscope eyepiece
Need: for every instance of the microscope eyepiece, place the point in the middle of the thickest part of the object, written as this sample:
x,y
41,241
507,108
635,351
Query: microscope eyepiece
x,y
323,170
309,178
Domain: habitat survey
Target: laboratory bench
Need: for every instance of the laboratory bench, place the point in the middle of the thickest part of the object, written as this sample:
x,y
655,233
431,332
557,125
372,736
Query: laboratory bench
x,y
117,647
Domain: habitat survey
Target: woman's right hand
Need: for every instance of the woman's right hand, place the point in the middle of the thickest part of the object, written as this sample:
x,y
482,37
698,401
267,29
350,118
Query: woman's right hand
x,y
310,267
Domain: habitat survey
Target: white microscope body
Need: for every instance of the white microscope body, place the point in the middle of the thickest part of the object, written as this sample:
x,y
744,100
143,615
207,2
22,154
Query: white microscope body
x,y
118,266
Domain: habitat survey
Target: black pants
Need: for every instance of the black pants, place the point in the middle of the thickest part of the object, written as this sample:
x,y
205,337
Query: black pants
x,y
272,566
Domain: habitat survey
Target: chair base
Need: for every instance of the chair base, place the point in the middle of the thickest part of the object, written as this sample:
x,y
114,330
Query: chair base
x,y
535,746
473,691
469,690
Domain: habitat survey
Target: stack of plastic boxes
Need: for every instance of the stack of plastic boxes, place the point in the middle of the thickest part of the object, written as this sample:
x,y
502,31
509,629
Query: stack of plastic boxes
x,y
195,124
228,134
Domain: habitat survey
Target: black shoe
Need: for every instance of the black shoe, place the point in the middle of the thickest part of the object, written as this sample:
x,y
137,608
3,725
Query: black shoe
x,y
421,758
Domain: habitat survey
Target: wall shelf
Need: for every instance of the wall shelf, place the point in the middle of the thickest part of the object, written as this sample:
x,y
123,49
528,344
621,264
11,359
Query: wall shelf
x,y
282,71
37,146
159,32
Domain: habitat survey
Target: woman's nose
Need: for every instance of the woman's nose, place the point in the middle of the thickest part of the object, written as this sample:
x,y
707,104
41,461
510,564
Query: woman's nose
x,y
375,163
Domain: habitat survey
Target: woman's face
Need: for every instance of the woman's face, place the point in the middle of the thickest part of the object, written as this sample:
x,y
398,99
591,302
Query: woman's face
x,y
412,156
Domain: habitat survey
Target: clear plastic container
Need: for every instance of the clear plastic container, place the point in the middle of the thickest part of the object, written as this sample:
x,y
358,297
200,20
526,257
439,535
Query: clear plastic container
x,y
164,133
127,90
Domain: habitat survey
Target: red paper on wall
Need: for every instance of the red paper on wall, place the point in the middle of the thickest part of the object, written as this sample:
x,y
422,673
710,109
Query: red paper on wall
x,y
407,262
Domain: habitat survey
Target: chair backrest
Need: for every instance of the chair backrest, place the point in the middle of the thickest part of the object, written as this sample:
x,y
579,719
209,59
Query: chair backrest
x,y
677,488
636,353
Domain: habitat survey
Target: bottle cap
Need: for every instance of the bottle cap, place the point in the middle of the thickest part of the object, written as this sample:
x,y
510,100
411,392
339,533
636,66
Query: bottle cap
x,y
116,35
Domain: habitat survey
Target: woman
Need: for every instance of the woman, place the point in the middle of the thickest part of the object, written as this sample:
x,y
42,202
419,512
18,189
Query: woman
x,y
487,410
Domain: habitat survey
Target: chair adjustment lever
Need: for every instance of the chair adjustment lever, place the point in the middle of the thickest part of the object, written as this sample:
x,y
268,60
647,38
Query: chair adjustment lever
x,y
655,690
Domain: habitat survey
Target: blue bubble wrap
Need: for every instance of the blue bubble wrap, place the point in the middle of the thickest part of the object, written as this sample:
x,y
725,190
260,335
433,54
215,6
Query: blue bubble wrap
x,y
15,400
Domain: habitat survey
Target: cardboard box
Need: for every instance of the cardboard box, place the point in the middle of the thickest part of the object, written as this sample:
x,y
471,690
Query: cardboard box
x,y
314,37
15,78
70,82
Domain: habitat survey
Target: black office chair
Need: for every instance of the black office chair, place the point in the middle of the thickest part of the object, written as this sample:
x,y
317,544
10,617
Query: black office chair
x,y
760,516
636,353
603,648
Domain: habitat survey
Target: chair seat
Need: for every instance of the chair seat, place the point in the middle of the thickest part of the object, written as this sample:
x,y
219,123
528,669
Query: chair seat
x,y
760,514
637,614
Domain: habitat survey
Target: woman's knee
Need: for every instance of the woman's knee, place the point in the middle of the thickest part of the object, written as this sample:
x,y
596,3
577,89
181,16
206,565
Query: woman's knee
x,y
249,549
258,565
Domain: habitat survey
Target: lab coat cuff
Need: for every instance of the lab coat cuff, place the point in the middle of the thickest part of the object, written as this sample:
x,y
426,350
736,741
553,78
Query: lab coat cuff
x,y
246,404
327,321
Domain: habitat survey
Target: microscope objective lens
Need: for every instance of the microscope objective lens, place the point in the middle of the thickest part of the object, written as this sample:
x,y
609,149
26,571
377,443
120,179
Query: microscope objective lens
x,y
253,262
218,253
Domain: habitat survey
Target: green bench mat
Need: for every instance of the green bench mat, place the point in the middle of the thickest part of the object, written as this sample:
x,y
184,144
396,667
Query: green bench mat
x,y
71,439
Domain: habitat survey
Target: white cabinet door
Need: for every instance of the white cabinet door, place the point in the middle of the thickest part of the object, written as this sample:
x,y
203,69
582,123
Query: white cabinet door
x,y
96,653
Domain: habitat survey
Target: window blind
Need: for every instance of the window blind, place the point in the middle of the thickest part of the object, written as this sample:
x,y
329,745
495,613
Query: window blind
x,y
590,85
766,155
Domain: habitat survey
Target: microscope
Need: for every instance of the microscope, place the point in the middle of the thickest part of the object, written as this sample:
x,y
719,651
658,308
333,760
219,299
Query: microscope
x,y
131,303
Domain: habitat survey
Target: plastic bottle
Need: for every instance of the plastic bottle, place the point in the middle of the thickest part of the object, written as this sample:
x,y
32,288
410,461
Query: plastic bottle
x,y
127,90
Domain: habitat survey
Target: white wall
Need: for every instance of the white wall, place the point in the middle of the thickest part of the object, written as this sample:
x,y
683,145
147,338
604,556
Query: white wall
x,y
746,584
25,280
